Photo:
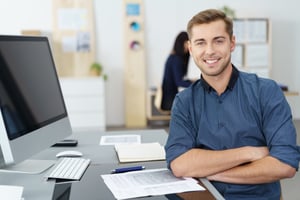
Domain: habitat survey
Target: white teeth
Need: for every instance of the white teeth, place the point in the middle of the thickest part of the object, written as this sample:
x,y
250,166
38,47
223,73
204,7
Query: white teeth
x,y
211,61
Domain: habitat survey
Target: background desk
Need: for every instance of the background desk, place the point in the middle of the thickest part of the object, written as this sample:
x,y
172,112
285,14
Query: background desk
x,y
91,186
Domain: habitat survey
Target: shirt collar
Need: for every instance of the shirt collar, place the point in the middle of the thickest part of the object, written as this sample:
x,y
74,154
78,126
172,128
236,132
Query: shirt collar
x,y
232,81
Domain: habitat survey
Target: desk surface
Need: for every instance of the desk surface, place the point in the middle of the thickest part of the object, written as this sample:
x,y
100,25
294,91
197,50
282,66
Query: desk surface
x,y
88,144
104,159
35,186
92,186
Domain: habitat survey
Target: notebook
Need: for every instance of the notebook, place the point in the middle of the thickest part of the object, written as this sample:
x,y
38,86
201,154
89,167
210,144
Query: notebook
x,y
140,152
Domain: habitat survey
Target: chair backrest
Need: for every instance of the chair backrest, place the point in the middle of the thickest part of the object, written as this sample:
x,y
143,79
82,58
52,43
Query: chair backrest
x,y
158,100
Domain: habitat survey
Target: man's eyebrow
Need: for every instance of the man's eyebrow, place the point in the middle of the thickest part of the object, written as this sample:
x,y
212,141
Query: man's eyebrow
x,y
199,40
215,38
219,37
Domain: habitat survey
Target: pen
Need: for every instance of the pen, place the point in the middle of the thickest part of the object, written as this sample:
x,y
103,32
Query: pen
x,y
127,169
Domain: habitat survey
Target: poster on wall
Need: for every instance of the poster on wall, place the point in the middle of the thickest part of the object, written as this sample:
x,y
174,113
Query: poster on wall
x,y
72,19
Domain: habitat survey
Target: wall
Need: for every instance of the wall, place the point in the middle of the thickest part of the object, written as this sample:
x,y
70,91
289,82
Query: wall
x,y
163,20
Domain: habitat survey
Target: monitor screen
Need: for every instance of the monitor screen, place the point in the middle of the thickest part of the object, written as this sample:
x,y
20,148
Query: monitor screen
x,y
32,107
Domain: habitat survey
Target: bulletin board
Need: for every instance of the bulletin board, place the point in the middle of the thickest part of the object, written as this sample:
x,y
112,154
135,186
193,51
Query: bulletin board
x,y
73,37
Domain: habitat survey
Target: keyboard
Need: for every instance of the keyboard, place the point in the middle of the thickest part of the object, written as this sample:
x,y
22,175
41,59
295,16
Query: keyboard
x,y
69,168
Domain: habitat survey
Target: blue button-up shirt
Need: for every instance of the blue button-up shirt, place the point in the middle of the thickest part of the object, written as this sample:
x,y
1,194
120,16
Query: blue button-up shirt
x,y
251,112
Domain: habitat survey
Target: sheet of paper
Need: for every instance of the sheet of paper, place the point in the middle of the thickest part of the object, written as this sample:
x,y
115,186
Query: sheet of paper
x,y
140,152
9,192
148,182
120,139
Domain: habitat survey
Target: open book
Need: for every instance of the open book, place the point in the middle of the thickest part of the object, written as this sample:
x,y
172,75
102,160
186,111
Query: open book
x,y
140,152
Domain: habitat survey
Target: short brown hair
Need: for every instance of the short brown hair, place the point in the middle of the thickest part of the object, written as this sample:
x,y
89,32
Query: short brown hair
x,y
210,15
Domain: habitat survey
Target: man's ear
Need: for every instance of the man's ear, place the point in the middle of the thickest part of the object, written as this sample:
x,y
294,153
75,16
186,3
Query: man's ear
x,y
232,45
190,46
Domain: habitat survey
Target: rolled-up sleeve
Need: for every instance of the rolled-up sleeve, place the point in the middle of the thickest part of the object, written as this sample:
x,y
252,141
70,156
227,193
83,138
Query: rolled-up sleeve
x,y
279,129
181,134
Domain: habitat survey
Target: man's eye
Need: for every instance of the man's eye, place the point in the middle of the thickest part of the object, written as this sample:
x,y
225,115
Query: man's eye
x,y
200,43
219,41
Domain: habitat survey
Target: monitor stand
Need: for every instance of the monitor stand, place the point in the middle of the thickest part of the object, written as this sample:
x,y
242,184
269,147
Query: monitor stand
x,y
29,167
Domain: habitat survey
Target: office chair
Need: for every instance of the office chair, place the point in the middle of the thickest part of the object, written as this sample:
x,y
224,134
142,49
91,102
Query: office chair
x,y
158,100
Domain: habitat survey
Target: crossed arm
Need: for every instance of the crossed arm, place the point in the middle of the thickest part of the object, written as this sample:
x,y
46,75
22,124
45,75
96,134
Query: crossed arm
x,y
244,165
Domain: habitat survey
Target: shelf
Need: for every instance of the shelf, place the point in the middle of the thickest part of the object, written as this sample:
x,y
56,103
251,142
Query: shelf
x,y
253,45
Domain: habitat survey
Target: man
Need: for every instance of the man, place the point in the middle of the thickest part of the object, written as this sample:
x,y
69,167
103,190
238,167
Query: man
x,y
232,127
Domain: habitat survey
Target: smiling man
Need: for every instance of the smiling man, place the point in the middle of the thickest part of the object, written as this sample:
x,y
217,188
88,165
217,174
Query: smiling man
x,y
232,127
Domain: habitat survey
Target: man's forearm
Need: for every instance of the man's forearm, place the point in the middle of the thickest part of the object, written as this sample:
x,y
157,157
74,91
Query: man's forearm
x,y
265,170
202,163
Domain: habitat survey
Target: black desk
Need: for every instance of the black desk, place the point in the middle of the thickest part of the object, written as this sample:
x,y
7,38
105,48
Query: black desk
x,y
88,144
92,186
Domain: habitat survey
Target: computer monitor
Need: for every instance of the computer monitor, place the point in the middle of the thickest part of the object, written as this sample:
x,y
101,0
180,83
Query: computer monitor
x,y
33,113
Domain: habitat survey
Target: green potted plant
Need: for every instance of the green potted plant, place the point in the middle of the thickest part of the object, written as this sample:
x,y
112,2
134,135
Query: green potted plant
x,y
96,69
228,11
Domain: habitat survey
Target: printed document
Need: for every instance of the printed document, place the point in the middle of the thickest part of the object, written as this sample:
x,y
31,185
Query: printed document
x,y
140,152
148,183
120,139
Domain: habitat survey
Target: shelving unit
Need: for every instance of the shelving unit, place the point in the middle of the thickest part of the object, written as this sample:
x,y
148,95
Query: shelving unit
x,y
253,45
253,52
134,63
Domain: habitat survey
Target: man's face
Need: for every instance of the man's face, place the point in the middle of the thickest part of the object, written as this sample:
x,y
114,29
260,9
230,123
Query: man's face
x,y
211,47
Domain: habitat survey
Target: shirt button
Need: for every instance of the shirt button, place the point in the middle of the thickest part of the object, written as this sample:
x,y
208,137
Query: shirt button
x,y
220,101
